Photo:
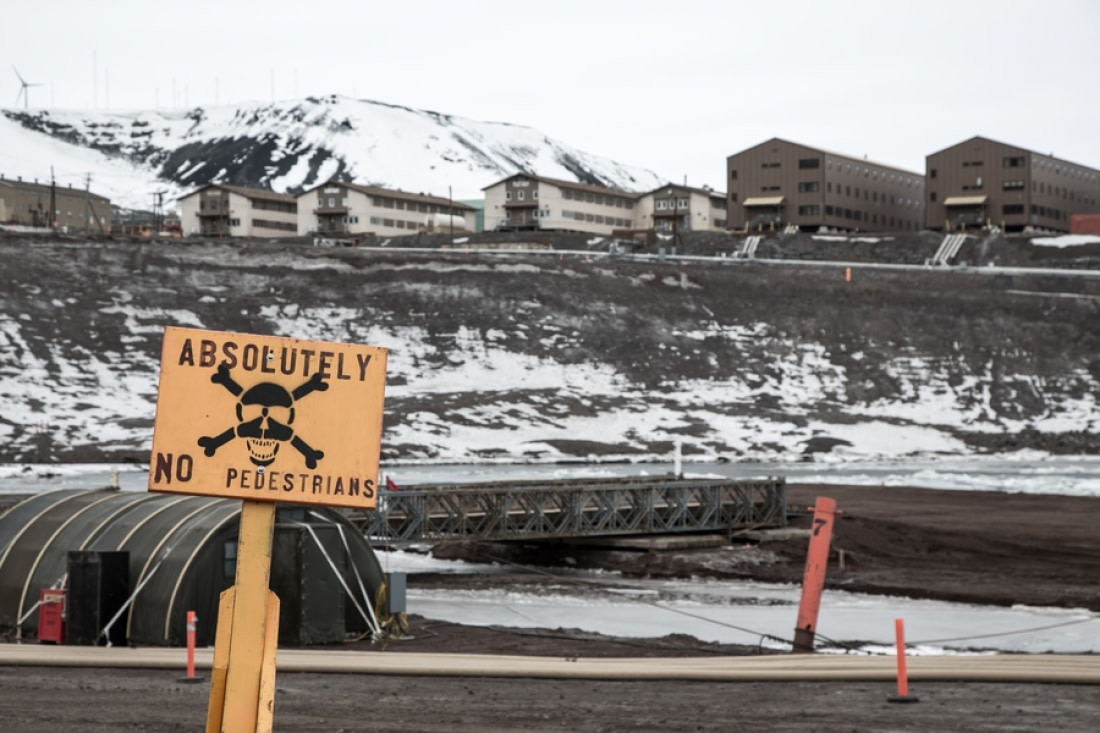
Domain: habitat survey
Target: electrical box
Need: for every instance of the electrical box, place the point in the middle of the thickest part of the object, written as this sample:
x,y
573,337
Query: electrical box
x,y
51,616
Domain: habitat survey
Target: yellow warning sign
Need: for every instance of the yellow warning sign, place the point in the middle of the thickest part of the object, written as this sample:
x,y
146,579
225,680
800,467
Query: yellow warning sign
x,y
265,418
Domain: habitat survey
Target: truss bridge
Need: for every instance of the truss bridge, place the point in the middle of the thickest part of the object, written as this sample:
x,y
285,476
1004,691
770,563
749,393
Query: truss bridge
x,y
574,508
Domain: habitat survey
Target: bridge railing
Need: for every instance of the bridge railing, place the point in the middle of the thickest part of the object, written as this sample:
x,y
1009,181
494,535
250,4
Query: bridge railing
x,y
575,508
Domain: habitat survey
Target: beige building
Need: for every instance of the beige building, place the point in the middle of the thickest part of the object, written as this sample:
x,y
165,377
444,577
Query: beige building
x,y
779,183
526,202
26,203
675,208
980,182
221,210
341,208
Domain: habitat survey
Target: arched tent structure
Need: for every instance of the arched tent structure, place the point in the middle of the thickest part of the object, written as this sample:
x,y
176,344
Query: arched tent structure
x,y
181,553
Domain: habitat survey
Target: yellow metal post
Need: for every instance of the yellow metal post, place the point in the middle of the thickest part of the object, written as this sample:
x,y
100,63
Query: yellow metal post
x,y
248,653
265,711
221,660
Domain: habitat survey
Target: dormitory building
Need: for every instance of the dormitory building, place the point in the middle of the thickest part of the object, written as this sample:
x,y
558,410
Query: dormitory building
x,y
776,184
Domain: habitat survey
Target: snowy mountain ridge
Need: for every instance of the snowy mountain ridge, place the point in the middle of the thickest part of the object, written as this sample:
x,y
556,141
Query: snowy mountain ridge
x,y
289,146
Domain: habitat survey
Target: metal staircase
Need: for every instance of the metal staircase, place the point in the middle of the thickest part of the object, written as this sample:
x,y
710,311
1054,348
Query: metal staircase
x,y
949,247
748,247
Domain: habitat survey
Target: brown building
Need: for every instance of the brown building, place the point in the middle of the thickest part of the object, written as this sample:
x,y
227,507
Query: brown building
x,y
778,183
981,182
24,203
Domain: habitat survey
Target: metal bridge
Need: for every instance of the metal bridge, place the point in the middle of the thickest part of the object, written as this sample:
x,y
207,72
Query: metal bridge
x,y
574,508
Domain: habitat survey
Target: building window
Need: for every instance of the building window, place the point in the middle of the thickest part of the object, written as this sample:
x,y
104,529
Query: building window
x,y
932,196
733,197
681,203
808,186
931,174
810,210
507,195
662,205
519,195
809,163
1010,209
1013,162
1012,186
535,194
733,174
774,164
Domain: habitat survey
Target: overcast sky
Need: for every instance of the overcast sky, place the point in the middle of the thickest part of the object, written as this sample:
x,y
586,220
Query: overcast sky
x,y
670,86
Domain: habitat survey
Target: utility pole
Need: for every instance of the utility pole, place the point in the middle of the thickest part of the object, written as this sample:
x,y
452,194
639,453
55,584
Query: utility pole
x,y
53,201
87,200
158,199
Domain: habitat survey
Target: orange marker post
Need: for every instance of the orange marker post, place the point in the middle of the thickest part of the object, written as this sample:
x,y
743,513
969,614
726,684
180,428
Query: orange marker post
x,y
813,581
191,625
903,674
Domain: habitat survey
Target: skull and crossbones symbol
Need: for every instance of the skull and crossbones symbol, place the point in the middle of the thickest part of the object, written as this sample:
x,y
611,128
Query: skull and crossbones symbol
x,y
265,413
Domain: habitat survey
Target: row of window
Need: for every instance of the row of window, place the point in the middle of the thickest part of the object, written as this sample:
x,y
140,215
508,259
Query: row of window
x,y
1042,164
383,202
593,218
284,206
874,174
396,223
668,204
908,181
1017,209
856,215
1019,161
1048,212
813,187
594,198
284,226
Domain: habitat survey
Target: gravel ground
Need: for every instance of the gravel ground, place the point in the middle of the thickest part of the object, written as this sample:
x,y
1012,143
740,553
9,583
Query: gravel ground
x,y
976,546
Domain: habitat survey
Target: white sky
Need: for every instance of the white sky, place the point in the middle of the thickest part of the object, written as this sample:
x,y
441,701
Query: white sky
x,y
674,87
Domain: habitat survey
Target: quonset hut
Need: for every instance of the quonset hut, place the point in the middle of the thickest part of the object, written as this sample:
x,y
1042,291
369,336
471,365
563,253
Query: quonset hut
x,y
180,553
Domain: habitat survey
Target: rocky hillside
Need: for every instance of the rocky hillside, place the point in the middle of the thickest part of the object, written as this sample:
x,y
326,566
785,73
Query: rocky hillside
x,y
559,356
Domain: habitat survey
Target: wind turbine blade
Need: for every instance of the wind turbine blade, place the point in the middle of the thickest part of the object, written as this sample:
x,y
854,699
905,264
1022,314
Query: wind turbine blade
x,y
21,81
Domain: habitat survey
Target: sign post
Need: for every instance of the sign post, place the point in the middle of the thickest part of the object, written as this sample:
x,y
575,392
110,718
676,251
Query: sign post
x,y
263,419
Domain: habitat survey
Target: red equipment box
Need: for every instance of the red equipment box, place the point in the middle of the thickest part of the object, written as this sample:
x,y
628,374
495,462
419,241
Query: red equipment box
x,y
51,616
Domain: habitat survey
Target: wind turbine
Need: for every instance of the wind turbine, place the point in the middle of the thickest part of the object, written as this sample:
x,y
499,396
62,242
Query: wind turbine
x,y
24,85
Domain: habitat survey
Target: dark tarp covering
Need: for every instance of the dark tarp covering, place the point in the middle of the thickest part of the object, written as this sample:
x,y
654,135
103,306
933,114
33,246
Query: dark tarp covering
x,y
182,554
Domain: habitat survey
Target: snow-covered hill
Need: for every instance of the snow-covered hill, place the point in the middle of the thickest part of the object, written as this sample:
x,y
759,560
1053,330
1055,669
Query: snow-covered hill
x,y
289,145
558,358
